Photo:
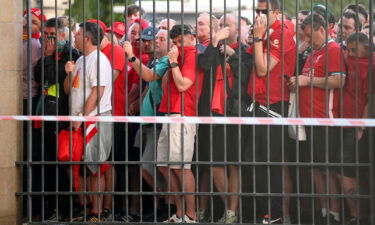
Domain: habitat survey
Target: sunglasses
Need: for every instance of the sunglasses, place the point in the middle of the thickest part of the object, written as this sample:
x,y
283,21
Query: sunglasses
x,y
263,11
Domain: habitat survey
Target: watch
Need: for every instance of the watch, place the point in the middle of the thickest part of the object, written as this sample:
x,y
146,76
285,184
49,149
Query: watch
x,y
257,39
132,59
173,65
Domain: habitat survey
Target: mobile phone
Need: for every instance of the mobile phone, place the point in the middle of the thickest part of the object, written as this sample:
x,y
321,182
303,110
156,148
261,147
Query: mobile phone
x,y
286,77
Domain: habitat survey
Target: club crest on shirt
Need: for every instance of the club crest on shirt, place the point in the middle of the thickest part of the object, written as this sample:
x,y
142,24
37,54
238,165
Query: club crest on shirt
x,y
275,43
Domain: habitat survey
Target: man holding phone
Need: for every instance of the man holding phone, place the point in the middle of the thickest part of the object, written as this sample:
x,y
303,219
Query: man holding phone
x,y
272,40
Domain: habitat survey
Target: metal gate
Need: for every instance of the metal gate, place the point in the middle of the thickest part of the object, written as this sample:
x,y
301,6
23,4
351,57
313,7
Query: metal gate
x,y
210,112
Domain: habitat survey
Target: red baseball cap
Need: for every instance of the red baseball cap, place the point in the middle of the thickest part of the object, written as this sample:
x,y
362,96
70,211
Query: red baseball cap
x,y
118,28
101,24
36,12
144,23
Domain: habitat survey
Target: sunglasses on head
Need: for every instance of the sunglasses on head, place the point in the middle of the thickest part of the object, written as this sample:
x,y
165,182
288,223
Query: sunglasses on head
x,y
263,11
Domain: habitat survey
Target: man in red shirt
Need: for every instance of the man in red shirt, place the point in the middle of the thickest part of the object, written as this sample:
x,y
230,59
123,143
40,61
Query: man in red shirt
x,y
179,99
323,103
274,51
355,105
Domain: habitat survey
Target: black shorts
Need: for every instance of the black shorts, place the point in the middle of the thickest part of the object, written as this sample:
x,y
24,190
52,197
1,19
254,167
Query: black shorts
x,y
224,146
351,151
322,144
124,149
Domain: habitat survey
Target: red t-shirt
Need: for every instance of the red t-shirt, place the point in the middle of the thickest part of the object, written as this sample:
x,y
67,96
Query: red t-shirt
x,y
118,64
277,79
319,61
119,89
354,83
188,70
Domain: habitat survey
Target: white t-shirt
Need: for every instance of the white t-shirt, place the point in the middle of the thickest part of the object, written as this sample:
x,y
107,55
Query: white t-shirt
x,y
79,84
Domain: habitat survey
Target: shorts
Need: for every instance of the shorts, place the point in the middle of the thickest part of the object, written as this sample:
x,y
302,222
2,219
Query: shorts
x,y
173,151
322,143
352,151
151,137
98,144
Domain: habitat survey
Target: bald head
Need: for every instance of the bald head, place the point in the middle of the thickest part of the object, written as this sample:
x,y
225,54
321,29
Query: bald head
x,y
231,21
161,43
164,24
203,26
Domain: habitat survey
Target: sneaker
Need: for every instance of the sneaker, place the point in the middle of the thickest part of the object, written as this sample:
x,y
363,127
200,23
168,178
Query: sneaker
x,y
228,217
129,217
268,220
173,219
54,218
187,219
332,220
92,218
79,213
352,221
203,217
106,215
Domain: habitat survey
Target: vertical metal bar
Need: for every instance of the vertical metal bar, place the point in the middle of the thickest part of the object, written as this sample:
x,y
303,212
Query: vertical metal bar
x,y
169,107
311,143
327,161
239,167
84,109
98,109
42,103
341,113
29,112
371,112
70,113
211,128
182,114
138,166
126,167
253,159
156,198
297,145
268,106
56,123
112,164
197,175
285,166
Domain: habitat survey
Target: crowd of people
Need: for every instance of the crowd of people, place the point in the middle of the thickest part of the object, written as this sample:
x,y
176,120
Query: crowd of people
x,y
310,66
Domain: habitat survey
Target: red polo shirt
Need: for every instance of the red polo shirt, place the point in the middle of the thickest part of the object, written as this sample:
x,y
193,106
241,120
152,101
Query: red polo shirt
x,y
188,70
318,66
277,80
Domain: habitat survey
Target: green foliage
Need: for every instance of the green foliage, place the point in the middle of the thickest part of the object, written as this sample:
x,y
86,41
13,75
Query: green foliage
x,y
91,10
290,8
335,6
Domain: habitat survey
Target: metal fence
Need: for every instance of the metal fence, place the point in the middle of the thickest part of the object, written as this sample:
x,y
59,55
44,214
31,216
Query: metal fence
x,y
258,122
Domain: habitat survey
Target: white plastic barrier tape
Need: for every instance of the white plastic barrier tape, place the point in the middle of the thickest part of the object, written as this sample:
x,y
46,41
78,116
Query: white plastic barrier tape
x,y
204,120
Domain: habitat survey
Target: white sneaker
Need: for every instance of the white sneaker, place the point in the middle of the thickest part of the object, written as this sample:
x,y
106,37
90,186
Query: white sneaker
x,y
173,219
188,220
228,217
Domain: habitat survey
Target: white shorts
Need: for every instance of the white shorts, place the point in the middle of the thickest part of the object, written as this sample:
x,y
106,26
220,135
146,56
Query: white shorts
x,y
173,152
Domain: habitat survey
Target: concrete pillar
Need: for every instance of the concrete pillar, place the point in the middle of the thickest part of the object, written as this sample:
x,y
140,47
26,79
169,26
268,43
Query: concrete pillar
x,y
10,104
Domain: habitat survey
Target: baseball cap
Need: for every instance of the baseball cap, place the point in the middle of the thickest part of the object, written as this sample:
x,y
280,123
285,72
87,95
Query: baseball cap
x,y
149,34
101,24
118,28
36,12
142,22
321,10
